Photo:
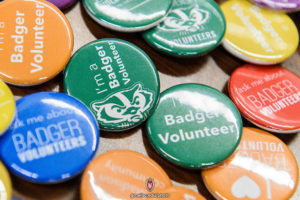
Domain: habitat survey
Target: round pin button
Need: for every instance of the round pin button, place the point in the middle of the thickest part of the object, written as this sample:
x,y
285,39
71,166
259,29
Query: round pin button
x,y
7,107
5,184
258,35
194,126
52,139
62,4
30,52
128,16
116,80
192,28
122,174
177,192
284,5
262,168
269,97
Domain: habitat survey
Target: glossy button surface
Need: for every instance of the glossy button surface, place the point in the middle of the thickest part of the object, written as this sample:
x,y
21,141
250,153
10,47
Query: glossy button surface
x,y
52,139
258,35
62,3
181,193
267,96
192,28
36,41
7,107
128,16
5,184
116,80
284,5
194,126
262,168
122,174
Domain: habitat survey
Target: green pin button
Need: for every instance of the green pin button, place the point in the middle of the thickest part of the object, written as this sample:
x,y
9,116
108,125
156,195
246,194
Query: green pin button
x,y
116,80
194,126
128,15
192,28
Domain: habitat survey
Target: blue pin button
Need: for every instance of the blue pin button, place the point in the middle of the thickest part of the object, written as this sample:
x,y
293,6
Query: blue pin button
x,y
53,138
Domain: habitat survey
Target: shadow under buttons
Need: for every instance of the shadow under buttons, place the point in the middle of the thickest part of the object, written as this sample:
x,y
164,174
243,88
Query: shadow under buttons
x,y
262,168
128,16
36,41
283,5
192,28
122,174
52,139
258,35
267,96
62,4
5,184
7,107
116,80
194,126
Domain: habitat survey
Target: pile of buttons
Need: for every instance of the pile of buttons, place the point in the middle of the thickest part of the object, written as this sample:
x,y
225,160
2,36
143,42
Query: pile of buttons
x,y
52,136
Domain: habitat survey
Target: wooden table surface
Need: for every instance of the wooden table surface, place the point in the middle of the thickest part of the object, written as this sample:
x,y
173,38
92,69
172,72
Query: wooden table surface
x,y
213,69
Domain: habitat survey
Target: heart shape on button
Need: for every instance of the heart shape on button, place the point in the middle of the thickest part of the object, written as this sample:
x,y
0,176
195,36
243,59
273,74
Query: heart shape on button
x,y
245,186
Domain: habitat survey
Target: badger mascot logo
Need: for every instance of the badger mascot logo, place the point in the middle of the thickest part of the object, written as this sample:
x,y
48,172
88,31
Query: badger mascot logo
x,y
188,19
126,107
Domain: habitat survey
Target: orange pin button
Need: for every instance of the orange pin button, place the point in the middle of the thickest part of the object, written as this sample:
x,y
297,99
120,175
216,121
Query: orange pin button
x,y
122,174
262,168
36,41
180,193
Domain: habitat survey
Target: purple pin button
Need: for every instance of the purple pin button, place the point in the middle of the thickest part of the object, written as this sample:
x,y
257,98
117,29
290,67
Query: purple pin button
x,y
284,5
62,4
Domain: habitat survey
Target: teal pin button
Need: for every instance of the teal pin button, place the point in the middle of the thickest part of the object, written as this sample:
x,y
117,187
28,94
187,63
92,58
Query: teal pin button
x,y
194,126
129,15
192,28
116,80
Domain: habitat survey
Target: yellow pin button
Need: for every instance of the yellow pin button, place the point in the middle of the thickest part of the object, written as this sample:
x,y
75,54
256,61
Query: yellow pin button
x,y
5,184
258,35
7,107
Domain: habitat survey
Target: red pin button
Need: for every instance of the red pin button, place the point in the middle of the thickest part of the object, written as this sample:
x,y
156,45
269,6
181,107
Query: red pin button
x,y
267,96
